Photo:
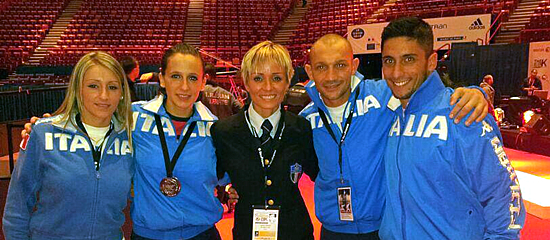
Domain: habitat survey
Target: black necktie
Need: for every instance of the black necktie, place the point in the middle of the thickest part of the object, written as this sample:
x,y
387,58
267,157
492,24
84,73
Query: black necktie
x,y
266,140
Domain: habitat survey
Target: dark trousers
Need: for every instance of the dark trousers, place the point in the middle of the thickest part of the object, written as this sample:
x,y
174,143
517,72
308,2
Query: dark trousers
x,y
330,235
210,234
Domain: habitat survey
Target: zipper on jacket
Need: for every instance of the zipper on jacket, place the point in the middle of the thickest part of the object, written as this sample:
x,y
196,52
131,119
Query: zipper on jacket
x,y
98,178
403,218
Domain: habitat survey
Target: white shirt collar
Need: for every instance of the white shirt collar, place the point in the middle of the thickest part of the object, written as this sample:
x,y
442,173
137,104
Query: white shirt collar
x,y
256,120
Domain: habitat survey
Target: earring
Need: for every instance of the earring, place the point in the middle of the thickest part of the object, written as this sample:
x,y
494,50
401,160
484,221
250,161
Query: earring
x,y
121,97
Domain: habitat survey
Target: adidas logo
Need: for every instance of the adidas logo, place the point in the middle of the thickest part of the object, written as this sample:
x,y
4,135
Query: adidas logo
x,y
477,24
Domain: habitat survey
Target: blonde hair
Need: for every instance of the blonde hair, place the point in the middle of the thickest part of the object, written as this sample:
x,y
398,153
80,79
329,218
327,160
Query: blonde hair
x,y
266,51
72,104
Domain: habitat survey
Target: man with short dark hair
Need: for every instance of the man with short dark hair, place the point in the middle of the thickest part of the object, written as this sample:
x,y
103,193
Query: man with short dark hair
x,y
131,68
444,181
220,101
531,83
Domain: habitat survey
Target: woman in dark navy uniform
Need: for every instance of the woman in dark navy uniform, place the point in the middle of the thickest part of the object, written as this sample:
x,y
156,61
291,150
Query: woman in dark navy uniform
x,y
265,150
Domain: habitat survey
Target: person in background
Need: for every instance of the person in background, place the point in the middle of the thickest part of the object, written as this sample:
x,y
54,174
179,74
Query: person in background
x,y
487,86
296,97
74,171
220,101
531,83
131,68
444,180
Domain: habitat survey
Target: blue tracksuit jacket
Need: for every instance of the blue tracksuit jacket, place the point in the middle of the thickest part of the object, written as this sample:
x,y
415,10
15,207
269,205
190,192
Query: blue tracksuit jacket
x,y
446,180
75,201
194,209
363,152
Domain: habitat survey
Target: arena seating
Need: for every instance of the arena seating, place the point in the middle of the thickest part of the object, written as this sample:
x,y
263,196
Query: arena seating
x,y
23,25
333,16
230,28
445,8
37,79
538,29
136,27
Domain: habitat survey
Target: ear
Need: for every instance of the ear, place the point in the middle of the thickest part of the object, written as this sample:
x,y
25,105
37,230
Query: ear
x,y
354,64
203,84
290,77
245,83
307,67
161,79
432,62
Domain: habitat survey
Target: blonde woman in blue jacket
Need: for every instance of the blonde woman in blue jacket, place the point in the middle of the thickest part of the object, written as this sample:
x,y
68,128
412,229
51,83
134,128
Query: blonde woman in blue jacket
x,y
74,170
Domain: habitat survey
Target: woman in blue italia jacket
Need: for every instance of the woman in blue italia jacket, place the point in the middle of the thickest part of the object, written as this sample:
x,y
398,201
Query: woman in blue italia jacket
x,y
74,171
175,157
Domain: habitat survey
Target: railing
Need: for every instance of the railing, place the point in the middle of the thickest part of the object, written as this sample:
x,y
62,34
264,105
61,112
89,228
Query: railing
x,y
10,146
446,55
500,14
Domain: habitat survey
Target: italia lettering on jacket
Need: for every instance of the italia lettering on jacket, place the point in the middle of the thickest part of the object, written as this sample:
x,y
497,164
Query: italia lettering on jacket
x,y
68,142
361,108
422,129
146,123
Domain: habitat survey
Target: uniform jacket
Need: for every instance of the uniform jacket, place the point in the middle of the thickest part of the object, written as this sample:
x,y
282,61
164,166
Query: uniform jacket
x,y
236,148
56,165
446,180
362,164
194,209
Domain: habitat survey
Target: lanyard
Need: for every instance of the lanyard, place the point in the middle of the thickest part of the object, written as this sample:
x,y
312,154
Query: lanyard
x,y
345,131
96,152
278,135
167,163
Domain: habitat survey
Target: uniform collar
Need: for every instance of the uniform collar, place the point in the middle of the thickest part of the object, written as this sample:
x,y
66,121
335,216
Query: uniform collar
x,y
256,120
69,125
200,112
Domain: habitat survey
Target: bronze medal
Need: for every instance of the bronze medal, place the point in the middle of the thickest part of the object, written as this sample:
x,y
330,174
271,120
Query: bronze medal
x,y
170,186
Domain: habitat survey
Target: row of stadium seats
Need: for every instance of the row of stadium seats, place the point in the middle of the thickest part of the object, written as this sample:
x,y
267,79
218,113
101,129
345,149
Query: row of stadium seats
x,y
538,28
241,24
23,25
115,25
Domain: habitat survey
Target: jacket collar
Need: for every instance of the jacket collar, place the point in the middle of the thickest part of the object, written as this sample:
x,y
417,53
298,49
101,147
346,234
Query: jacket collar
x,y
316,96
200,112
425,94
69,125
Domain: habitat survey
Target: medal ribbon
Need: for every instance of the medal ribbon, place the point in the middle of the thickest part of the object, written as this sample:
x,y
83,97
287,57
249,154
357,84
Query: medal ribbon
x,y
96,152
167,163
344,132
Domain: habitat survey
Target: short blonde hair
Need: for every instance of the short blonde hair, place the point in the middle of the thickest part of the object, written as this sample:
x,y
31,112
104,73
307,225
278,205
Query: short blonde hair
x,y
264,52
72,104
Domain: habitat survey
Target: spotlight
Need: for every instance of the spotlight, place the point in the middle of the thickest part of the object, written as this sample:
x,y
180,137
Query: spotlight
x,y
499,115
538,124
527,116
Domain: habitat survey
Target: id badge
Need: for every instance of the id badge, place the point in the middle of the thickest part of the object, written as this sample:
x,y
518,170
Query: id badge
x,y
265,223
344,204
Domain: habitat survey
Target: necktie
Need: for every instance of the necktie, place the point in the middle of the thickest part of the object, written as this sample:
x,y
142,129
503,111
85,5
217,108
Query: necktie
x,y
266,140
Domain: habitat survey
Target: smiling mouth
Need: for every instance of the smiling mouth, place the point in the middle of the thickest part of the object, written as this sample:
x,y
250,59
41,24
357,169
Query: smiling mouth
x,y
183,95
268,97
100,105
399,84
332,85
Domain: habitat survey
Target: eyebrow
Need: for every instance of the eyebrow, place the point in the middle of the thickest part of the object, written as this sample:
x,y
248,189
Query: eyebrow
x,y
409,55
